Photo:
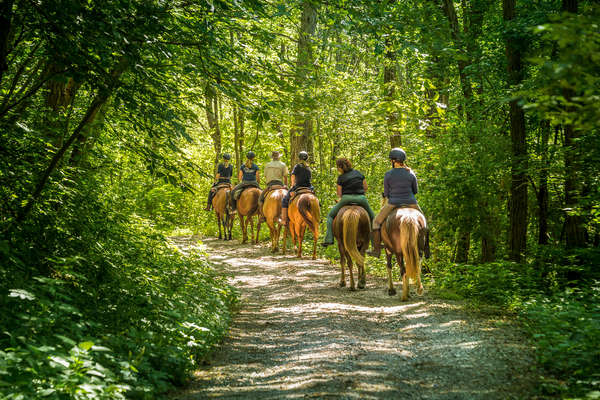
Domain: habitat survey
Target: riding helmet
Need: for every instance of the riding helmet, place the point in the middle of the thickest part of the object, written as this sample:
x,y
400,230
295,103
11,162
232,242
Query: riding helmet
x,y
226,156
303,155
397,154
250,155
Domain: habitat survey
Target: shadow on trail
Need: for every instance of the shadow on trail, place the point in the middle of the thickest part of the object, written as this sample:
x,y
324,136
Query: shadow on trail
x,y
297,335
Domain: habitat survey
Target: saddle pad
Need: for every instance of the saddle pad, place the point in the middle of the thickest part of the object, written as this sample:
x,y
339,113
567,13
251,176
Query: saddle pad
x,y
224,185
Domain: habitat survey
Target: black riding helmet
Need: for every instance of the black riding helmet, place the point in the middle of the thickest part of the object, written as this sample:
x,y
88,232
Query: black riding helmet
x,y
250,155
226,156
397,154
303,155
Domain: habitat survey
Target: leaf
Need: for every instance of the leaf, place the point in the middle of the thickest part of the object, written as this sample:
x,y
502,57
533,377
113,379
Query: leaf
x,y
85,345
21,294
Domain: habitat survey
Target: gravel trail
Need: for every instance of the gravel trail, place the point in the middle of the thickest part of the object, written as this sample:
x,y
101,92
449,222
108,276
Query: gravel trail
x,y
298,335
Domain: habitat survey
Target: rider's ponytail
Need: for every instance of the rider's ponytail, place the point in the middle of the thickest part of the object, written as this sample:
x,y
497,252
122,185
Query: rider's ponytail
x,y
248,163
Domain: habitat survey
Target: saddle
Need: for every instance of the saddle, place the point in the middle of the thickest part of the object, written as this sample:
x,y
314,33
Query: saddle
x,y
268,190
301,190
237,193
223,186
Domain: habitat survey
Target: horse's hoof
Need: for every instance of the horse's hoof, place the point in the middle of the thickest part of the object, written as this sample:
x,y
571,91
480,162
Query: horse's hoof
x,y
361,285
352,288
420,291
404,298
391,292
342,284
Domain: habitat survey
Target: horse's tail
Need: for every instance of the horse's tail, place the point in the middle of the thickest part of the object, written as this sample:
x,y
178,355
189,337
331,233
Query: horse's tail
x,y
308,207
409,243
350,235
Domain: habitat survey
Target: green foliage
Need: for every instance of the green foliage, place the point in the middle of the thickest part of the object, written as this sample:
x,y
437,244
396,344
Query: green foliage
x,y
119,313
556,296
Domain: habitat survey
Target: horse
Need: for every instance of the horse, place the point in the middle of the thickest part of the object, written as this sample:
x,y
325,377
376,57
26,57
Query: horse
x,y
270,212
303,211
247,208
351,228
219,203
403,233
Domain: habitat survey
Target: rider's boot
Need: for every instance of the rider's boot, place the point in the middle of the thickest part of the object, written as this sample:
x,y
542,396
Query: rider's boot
x,y
375,243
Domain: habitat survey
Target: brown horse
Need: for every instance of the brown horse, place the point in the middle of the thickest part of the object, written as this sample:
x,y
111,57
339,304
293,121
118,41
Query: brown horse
x,y
403,234
351,228
219,203
247,208
270,212
303,211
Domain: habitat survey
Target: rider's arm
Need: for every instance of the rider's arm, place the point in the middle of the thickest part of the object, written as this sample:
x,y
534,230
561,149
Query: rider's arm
x,y
285,175
293,179
339,192
240,176
217,177
365,186
415,185
386,186
258,177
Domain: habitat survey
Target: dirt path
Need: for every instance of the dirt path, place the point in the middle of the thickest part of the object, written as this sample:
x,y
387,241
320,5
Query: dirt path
x,y
297,335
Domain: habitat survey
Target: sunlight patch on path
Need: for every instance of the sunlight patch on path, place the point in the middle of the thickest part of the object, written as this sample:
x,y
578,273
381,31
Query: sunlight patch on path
x,y
298,335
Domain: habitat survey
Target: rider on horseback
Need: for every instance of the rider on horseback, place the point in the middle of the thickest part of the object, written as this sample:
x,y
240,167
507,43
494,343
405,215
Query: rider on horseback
x,y
224,172
248,176
351,188
301,178
276,173
400,186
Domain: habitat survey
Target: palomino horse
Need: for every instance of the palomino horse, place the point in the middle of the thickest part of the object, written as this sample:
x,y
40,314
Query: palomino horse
x,y
247,208
351,228
270,212
303,211
403,234
219,203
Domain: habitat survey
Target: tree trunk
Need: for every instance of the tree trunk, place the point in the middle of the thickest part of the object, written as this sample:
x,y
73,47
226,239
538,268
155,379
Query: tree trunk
x,y
58,98
301,136
212,115
517,241
463,237
389,87
5,25
86,140
542,196
575,231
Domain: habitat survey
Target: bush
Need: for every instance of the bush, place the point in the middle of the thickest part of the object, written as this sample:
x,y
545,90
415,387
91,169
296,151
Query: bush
x,y
108,310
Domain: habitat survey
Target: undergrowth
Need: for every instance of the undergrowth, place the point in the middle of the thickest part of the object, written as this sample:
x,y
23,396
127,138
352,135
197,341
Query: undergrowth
x,y
99,305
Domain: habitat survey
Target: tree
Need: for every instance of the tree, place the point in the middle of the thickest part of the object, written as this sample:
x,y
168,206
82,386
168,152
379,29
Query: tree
x,y
301,136
518,134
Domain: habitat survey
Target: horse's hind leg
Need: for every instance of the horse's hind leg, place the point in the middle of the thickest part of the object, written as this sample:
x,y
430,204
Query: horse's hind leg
x,y
362,281
285,235
219,223
275,236
349,260
300,235
315,236
405,288
342,262
391,290
258,225
244,231
418,280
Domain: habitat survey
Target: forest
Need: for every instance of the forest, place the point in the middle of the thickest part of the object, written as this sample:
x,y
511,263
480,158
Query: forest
x,y
114,115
